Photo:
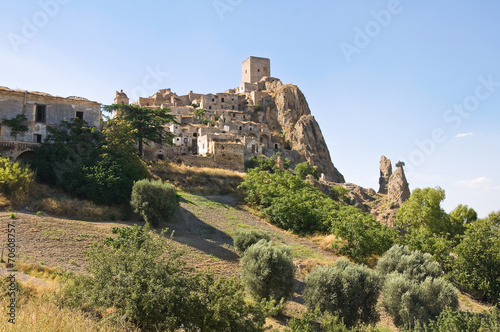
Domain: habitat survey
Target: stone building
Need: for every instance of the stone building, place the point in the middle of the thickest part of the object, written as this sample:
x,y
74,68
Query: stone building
x,y
252,71
227,132
42,111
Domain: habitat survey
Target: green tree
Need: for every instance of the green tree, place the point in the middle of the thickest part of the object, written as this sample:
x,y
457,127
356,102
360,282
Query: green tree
x,y
344,289
477,266
268,271
155,201
461,216
409,301
86,163
339,194
16,125
144,278
147,123
14,177
243,239
423,209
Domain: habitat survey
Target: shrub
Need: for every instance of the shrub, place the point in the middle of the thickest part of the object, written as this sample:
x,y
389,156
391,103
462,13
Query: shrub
x,y
303,211
266,164
362,236
339,194
155,201
293,204
303,170
453,320
344,289
142,278
14,178
87,163
409,301
268,271
412,264
244,239
477,265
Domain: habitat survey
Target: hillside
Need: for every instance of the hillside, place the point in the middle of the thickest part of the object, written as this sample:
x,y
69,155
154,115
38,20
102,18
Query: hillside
x,y
203,226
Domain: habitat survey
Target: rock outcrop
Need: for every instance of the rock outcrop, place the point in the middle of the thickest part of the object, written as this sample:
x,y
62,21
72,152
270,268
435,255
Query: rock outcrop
x,y
385,174
398,190
288,114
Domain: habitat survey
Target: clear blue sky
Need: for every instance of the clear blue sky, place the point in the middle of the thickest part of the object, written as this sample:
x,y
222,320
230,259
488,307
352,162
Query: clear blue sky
x,y
413,80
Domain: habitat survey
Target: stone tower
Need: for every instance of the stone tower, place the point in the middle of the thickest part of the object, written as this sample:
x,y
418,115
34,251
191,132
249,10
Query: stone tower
x,y
254,68
121,98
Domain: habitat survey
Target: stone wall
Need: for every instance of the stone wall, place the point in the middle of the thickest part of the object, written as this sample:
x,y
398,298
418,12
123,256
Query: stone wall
x,y
43,110
254,68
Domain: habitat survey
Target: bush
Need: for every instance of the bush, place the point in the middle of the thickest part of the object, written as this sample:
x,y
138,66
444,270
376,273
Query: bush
x,y
362,236
409,301
155,201
14,178
87,163
141,277
477,265
293,204
303,211
453,320
268,271
302,170
345,290
339,194
244,239
264,163
414,265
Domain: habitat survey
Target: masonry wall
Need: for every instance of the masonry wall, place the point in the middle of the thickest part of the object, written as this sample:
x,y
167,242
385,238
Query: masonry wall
x,y
254,68
56,109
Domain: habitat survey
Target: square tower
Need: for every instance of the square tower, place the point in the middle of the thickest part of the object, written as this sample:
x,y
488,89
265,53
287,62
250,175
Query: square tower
x,y
254,68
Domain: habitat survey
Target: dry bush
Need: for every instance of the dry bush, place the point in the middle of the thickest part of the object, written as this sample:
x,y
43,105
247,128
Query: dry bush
x,y
4,202
65,206
198,180
36,312
325,242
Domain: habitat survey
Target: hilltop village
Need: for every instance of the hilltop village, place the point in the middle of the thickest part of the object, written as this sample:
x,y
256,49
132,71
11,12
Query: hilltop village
x,y
220,129
261,116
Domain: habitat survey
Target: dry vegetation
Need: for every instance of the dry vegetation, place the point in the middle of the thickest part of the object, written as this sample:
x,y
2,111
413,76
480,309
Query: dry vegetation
x,y
36,312
198,180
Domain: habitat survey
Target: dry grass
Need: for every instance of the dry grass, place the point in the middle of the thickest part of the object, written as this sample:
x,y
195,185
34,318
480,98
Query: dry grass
x,y
326,242
198,180
74,208
38,271
53,201
36,312
5,203
305,266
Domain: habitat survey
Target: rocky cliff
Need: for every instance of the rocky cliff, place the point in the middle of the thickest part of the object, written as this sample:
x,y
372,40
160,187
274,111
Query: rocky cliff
x,y
385,174
288,114
398,190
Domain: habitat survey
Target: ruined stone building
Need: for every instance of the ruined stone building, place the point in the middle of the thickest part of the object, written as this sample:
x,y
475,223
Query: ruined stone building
x,y
261,116
229,128
41,110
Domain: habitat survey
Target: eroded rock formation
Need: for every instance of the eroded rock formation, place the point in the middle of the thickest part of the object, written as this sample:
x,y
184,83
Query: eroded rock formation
x,y
398,190
385,174
288,113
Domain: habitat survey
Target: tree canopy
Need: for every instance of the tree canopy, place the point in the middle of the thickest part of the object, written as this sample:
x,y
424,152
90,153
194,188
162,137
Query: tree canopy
x,y
423,208
147,123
